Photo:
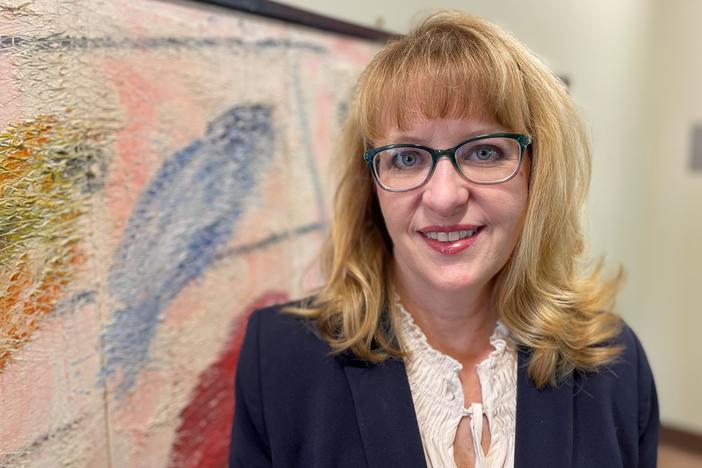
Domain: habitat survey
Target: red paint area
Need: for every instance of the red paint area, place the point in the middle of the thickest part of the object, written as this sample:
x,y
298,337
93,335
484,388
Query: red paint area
x,y
203,436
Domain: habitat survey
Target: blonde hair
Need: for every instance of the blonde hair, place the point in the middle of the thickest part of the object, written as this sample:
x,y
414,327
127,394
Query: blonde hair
x,y
455,65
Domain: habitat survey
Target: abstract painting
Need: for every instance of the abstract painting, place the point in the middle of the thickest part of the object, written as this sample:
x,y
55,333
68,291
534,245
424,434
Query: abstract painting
x,y
163,172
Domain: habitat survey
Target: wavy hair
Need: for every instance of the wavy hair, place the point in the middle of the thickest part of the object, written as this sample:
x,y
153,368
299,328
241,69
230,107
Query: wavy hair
x,y
454,65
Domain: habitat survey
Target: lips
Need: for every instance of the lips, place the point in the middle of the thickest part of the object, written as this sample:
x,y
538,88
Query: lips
x,y
450,240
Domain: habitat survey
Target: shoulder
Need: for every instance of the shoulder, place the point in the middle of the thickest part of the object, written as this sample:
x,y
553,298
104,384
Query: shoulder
x,y
276,330
286,346
627,375
290,367
626,379
293,399
619,402
634,376
633,350
606,418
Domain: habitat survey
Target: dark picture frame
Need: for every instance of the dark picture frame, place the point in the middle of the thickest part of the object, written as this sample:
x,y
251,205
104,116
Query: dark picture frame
x,y
295,15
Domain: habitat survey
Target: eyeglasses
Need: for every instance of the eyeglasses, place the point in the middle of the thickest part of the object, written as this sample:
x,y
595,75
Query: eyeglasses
x,y
484,159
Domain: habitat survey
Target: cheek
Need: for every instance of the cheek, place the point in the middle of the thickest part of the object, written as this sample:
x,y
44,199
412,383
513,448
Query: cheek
x,y
383,203
519,209
387,209
511,207
396,211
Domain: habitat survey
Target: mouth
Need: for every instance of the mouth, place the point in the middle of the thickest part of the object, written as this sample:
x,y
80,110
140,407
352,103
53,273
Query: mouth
x,y
450,240
450,236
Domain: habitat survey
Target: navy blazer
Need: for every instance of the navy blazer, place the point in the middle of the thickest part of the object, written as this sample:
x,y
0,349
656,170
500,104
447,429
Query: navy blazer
x,y
299,406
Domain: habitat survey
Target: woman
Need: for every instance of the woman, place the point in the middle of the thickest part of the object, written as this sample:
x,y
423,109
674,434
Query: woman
x,y
455,327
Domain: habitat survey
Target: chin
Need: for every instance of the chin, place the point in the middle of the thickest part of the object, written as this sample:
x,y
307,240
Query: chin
x,y
455,284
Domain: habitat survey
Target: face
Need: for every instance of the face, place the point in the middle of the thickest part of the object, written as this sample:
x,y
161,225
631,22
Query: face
x,y
423,223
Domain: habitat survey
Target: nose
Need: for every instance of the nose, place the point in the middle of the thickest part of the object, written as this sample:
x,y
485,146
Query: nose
x,y
446,192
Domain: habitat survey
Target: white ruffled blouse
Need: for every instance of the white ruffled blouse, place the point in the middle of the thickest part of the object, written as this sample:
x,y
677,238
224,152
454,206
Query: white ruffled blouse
x,y
438,398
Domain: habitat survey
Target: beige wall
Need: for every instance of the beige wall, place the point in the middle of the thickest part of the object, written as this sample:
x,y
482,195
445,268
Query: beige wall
x,y
671,321
636,69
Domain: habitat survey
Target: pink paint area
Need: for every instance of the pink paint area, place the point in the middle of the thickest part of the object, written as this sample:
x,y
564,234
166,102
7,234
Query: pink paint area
x,y
11,100
185,308
152,108
51,385
203,436
327,117
26,399
350,51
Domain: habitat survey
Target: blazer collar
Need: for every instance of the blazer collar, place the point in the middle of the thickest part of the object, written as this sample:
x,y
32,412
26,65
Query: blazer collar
x,y
544,436
385,413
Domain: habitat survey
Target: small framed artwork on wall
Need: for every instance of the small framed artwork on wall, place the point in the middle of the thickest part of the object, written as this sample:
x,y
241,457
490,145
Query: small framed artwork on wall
x,y
696,148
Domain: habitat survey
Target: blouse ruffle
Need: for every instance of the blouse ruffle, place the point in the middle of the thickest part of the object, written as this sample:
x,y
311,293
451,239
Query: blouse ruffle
x,y
438,397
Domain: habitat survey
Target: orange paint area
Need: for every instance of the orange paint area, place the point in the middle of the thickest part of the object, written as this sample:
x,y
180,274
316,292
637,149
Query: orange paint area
x,y
47,171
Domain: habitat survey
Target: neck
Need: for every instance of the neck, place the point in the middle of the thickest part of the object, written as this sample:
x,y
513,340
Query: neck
x,y
457,323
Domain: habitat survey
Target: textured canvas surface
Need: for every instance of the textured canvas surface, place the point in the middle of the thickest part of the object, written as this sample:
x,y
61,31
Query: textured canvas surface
x,y
163,172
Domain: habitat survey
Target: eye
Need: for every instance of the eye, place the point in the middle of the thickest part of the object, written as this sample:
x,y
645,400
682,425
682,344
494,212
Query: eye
x,y
407,158
485,153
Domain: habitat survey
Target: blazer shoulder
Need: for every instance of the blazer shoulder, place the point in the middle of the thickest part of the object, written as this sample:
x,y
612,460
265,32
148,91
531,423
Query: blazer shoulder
x,y
282,333
630,368
633,357
624,393
628,338
276,317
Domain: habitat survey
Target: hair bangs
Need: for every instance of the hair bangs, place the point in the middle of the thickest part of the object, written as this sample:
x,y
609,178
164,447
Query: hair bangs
x,y
446,76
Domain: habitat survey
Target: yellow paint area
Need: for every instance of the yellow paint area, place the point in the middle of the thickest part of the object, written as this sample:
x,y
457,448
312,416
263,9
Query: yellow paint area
x,y
46,169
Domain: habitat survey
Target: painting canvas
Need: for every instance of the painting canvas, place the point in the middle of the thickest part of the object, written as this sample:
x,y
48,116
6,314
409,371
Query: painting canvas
x,y
164,170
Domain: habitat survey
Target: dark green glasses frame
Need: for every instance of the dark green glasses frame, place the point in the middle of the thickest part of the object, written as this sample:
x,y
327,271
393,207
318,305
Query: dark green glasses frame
x,y
523,140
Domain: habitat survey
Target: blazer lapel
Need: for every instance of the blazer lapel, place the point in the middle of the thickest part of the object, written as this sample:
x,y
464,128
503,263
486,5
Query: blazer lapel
x,y
544,436
385,413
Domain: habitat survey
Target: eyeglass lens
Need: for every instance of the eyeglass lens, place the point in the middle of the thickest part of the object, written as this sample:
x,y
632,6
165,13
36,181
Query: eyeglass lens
x,y
488,160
